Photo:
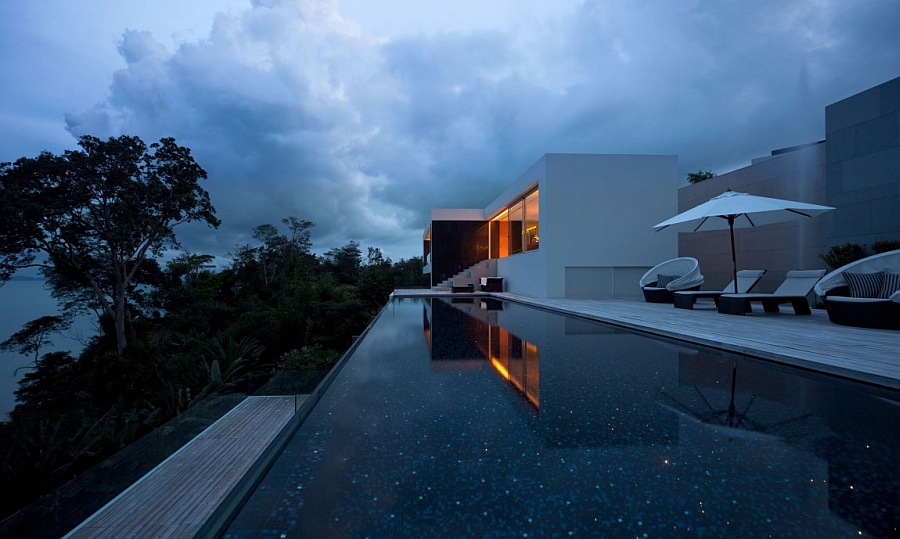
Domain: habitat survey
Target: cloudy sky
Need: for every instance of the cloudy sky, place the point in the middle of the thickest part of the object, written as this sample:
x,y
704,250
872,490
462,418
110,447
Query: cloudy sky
x,y
361,115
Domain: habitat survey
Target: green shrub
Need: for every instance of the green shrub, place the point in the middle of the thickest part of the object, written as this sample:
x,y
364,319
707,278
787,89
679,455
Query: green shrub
x,y
884,246
841,255
700,176
313,357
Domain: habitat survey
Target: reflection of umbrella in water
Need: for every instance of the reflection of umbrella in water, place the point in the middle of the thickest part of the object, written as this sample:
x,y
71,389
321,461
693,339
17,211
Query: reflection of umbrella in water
x,y
740,209
726,417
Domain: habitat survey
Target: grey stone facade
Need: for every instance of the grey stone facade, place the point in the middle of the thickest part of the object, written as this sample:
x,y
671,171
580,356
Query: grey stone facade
x,y
856,169
862,152
793,174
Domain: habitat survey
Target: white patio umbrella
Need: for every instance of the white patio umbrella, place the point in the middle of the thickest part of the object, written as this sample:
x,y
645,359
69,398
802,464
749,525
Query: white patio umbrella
x,y
742,210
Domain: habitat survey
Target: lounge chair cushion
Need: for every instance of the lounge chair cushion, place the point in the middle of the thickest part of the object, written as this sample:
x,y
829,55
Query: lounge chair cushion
x,y
849,299
663,280
864,285
889,285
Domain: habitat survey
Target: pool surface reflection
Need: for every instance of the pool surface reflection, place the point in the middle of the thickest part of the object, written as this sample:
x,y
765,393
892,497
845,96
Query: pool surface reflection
x,y
486,418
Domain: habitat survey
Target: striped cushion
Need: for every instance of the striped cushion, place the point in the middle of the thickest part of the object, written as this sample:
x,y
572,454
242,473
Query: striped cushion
x,y
889,285
663,280
864,285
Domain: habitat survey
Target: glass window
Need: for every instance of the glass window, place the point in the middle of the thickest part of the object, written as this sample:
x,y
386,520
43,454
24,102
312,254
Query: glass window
x,y
516,218
516,229
500,236
532,239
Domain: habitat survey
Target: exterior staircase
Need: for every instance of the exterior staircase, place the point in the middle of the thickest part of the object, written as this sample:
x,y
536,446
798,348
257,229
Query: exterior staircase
x,y
471,275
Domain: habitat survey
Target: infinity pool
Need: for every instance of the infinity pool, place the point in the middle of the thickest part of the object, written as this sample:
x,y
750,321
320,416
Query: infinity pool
x,y
484,418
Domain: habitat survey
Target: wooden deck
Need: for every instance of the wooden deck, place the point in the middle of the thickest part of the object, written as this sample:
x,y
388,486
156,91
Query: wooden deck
x,y
811,342
178,497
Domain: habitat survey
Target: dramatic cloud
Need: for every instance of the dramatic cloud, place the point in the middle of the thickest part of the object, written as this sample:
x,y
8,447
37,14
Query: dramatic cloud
x,y
296,109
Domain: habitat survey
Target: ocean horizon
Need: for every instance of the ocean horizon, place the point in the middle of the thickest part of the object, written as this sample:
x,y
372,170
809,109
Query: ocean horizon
x,y
23,299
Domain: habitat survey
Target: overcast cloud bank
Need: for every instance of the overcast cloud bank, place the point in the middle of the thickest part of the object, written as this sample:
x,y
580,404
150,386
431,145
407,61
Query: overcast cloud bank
x,y
294,109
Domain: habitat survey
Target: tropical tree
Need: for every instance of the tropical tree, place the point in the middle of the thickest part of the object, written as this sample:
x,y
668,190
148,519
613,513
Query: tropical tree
x,y
35,335
700,176
91,218
344,262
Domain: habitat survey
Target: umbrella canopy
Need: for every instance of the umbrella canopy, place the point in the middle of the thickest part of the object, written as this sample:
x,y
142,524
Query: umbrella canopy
x,y
732,209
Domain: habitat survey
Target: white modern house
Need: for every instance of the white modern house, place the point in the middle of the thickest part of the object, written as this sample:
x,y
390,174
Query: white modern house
x,y
573,225
580,226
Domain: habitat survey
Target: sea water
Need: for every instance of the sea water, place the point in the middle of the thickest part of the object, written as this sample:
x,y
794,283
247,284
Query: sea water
x,y
23,300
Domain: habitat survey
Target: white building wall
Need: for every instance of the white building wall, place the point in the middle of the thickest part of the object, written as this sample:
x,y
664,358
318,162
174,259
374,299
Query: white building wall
x,y
456,214
597,214
596,219
525,273
535,174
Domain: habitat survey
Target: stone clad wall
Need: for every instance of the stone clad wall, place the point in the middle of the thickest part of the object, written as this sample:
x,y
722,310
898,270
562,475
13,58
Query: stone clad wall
x,y
863,166
793,174
856,169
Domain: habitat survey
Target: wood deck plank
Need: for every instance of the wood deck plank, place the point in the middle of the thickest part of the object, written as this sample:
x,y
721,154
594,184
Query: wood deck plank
x,y
176,498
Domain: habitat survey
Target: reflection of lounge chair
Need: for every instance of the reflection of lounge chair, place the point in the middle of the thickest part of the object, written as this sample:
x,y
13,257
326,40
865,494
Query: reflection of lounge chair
x,y
796,286
660,283
746,280
870,299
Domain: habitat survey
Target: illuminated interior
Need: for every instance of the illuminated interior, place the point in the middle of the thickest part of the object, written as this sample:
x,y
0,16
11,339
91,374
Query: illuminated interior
x,y
460,335
516,228
517,361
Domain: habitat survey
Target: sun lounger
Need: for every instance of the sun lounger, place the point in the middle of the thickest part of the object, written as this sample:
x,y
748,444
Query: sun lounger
x,y
746,280
796,286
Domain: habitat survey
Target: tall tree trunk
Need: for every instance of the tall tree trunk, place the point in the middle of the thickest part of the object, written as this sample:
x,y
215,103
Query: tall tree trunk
x,y
121,342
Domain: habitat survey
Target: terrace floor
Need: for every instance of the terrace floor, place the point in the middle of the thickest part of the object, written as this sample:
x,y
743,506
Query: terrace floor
x,y
811,342
182,494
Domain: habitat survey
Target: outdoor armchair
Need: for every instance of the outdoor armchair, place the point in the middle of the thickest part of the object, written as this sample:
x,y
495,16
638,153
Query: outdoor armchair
x,y
865,293
796,286
661,282
746,280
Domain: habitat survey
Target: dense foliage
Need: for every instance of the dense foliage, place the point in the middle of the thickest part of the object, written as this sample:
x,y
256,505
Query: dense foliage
x,y
840,255
192,330
91,218
700,176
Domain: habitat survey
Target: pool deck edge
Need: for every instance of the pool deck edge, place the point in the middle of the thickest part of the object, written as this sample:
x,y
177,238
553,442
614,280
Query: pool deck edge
x,y
812,342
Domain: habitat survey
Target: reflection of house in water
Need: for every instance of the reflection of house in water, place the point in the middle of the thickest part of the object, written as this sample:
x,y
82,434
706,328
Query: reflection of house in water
x,y
576,405
452,334
463,333
592,385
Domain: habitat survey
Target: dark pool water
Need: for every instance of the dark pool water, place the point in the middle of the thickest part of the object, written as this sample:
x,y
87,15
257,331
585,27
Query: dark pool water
x,y
482,418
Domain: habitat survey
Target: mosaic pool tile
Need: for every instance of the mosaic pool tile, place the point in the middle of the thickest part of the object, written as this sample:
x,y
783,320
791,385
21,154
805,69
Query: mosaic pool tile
x,y
454,421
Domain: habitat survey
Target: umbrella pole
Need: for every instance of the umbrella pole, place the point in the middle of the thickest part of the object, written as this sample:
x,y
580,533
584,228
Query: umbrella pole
x,y
733,257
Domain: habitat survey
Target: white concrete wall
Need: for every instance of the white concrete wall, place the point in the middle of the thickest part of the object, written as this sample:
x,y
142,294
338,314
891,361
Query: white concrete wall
x,y
535,174
596,219
456,214
597,211
604,282
524,273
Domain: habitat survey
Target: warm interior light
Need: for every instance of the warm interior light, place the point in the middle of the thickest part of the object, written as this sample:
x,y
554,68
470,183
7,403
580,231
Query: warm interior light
x,y
500,368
